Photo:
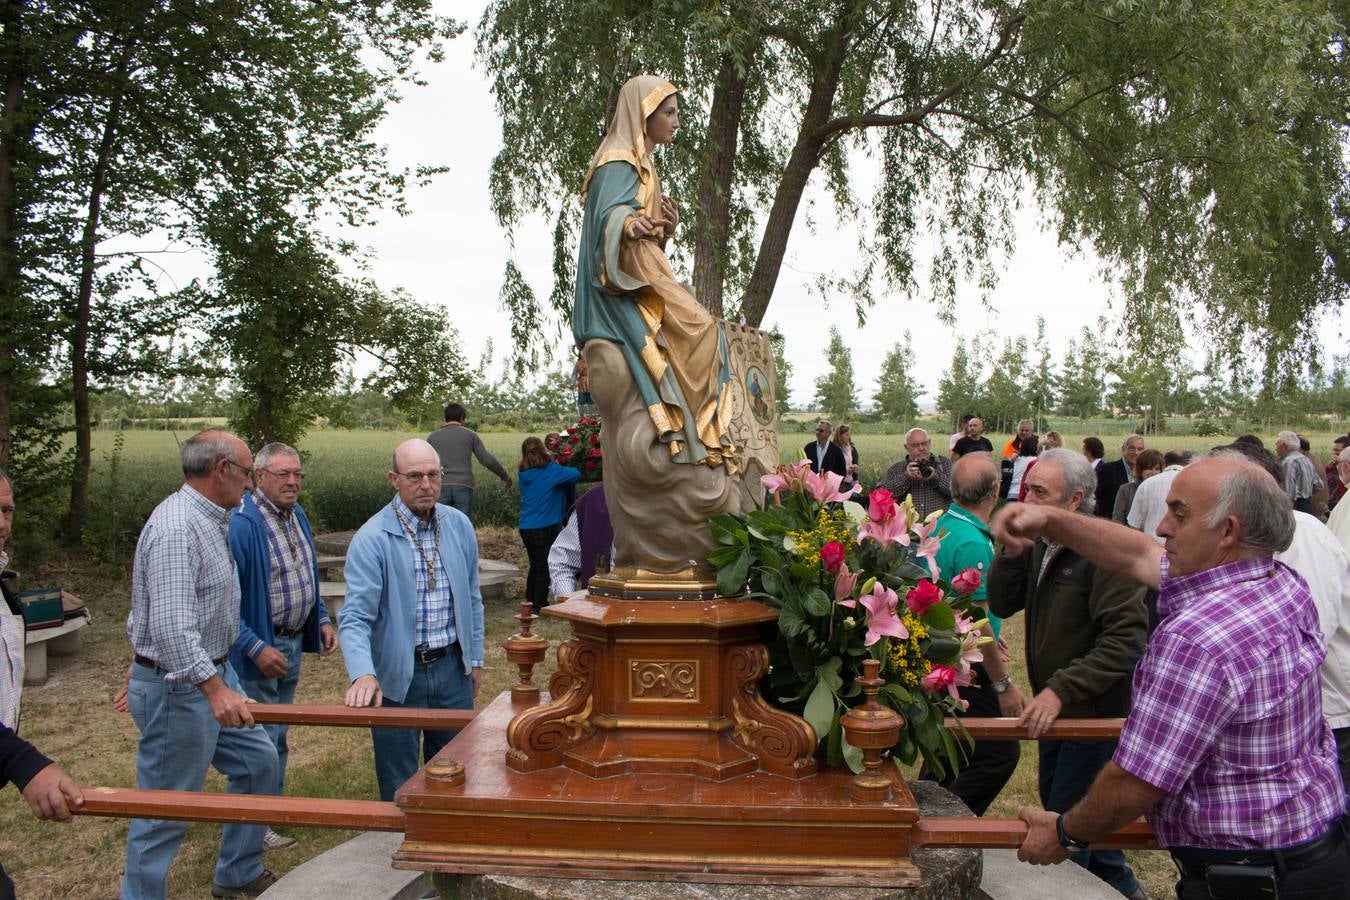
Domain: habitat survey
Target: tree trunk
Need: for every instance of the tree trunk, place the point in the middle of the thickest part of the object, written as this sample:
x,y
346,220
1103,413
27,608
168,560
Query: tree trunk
x,y
805,156
79,343
714,185
11,59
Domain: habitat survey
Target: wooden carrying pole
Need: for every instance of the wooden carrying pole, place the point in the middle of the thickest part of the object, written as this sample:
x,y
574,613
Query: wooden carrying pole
x,y
360,716
1059,730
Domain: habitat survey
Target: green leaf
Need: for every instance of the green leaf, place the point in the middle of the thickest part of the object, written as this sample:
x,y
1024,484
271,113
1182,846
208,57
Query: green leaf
x,y
817,602
896,695
765,524
904,751
768,578
939,649
790,622
939,616
726,529
828,673
820,707
723,555
731,579
852,755
834,754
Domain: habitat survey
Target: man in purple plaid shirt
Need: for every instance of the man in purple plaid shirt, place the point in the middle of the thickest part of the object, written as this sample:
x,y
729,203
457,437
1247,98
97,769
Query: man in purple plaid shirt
x,y
1226,751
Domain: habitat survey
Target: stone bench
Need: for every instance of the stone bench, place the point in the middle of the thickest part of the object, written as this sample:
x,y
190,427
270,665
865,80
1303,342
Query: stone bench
x,y
60,641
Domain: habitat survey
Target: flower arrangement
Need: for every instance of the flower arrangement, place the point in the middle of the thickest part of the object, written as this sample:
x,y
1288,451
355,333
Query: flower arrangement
x,y
851,583
579,447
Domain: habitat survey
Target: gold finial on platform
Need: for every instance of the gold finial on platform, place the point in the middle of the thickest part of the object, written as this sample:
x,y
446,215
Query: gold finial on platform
x,y
871,727
445,771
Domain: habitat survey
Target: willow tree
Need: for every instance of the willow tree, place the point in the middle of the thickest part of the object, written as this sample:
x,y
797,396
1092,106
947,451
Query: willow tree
x,y
1196,147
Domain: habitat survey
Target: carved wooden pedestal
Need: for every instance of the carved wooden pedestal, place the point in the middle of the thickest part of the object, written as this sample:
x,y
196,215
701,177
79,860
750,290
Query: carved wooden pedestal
x,y
667,687
655,758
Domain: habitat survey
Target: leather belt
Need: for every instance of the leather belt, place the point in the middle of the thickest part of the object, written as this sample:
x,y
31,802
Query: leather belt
x,y
151,664
1194,862
431,655
290,632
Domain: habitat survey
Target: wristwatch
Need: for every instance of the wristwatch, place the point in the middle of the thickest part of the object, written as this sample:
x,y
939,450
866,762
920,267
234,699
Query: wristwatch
x,y
1068,843
1002,684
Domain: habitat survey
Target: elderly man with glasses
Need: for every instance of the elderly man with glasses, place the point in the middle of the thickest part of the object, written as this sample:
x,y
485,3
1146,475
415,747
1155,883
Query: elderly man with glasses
x,y
182,691
412,573
280,612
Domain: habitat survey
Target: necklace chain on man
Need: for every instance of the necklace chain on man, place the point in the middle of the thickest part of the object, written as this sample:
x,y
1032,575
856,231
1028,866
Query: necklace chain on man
x,y
412,536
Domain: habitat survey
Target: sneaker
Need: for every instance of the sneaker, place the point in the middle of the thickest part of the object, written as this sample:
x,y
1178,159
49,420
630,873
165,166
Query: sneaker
x,y
252,889
274,841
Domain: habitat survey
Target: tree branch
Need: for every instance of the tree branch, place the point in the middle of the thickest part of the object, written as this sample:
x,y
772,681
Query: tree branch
x,y
913,116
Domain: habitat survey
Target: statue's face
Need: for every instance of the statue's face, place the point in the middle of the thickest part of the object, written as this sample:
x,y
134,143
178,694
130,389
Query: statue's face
x,y
662,124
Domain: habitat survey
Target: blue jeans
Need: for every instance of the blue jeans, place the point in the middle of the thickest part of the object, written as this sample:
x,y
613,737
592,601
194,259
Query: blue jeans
x,y
1067,770
279,690
458,496
441,684
179,740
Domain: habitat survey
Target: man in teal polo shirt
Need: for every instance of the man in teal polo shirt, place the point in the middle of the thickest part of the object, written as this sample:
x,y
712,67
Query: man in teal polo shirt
x,y
967,544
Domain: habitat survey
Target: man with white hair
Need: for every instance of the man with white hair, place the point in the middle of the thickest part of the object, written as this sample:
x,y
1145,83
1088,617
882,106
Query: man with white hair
x,y
412,571
1300,475
281,613
1085,631
1226,750
183,694
921,475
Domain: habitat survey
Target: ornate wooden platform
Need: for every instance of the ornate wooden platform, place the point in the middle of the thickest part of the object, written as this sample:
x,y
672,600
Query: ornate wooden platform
x,y
759,828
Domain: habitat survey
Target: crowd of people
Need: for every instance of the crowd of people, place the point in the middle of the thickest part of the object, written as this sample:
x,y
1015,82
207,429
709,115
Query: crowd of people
x,y
1204,600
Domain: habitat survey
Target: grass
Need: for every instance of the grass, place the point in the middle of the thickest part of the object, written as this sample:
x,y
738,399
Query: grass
x,y
71,717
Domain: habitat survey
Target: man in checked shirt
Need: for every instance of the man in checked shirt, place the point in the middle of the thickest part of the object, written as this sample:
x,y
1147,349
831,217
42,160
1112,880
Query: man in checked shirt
x,y
280,612
183,694
1226,750
412,627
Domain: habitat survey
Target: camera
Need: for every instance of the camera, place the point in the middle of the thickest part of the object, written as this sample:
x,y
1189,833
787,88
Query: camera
x,y
925,467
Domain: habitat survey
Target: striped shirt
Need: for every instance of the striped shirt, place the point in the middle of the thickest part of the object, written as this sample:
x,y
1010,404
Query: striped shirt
x,y
435,606
290,573
1227,716
1300,478
184,588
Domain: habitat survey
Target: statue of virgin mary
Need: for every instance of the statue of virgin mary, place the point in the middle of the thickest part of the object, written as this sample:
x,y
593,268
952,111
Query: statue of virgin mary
x,y
656,360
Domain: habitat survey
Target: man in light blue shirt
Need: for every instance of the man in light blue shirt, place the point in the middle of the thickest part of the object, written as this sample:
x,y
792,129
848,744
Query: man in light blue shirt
x,y
412,626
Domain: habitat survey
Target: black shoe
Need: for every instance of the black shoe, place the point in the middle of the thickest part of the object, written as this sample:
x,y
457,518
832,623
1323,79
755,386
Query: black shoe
x,y
252,889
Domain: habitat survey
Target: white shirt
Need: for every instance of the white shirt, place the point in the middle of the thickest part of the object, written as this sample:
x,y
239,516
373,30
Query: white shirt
x,y
1150,502
1322,562
820,454
1339,522
564,558
11,662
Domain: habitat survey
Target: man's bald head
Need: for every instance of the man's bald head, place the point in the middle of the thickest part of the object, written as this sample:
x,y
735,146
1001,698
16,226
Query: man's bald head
x,y
975,479
416,475
1221,509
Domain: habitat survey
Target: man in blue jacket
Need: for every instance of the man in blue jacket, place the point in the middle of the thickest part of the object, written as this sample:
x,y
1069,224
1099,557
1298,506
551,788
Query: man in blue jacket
x,y
412,626
280,612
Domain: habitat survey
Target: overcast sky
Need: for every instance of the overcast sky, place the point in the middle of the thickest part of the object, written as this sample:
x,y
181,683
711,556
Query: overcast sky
x,y
450,251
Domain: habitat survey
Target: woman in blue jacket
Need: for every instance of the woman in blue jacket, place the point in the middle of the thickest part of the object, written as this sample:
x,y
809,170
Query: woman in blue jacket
x,y
542,508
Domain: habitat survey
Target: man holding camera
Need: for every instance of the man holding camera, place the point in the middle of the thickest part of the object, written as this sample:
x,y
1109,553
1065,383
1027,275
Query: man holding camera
x,y
921,475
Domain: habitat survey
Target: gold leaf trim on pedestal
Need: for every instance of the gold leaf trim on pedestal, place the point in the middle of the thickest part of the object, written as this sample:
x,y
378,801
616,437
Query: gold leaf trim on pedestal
x,y
653,679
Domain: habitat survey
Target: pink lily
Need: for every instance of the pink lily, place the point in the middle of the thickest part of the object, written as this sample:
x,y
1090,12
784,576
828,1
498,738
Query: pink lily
x,y
894,530
844,583
786,478
881,617
824,486
928,546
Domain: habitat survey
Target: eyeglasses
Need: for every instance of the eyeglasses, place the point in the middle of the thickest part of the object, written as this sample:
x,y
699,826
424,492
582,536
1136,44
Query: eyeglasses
x,y
417,477
286,474
247,470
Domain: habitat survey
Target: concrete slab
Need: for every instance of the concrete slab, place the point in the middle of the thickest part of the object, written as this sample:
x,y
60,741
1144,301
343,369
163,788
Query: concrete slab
x,y
1005,878
358,869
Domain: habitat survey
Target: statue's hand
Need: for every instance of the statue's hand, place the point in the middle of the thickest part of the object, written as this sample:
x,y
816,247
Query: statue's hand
x,y
671,210
644,226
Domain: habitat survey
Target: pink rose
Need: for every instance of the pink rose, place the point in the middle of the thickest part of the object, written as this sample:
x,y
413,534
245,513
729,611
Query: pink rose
x,y
880,505
922,596
968,582
832,555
